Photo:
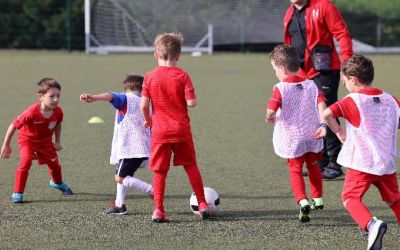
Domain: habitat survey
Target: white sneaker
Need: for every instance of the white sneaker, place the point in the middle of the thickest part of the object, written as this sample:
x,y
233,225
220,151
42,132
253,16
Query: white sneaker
x,y
376,230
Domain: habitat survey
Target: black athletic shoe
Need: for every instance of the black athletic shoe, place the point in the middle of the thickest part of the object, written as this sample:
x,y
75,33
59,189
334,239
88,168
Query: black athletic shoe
x,y
116,210
330,173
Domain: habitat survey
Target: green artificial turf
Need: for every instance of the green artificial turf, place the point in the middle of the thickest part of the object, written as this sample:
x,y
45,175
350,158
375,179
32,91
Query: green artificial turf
x,y
234,152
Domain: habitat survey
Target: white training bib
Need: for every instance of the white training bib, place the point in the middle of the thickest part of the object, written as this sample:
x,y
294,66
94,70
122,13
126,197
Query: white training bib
x,y
297,120
372,147
130,139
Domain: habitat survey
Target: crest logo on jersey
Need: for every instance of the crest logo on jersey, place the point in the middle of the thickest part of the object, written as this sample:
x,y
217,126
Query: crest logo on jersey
x,y
52,125
315,14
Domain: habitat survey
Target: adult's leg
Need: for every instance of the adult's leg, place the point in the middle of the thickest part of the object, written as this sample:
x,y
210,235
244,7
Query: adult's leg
x,y
328,83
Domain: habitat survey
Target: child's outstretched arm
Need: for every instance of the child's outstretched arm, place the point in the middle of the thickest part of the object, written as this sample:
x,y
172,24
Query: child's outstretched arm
x,y
6,148
321,131
145,109
92,98
270,116
334,125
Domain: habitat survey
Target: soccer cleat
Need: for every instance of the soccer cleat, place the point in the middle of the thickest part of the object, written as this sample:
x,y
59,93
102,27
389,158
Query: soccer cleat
x,y
113,209
63,187
17,198
204,211
158,216
317,203
376,230
304,215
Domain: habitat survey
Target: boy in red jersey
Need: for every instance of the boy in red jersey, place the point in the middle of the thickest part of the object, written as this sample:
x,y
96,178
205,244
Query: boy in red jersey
x,y
171,92
369,145
36,126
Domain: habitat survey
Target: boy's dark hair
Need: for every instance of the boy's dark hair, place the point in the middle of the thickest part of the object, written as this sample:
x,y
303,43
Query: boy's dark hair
x,y
359,67
133,82
47,83
168,45
286,56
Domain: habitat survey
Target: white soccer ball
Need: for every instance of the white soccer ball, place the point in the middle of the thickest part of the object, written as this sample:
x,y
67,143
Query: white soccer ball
x,y
212,199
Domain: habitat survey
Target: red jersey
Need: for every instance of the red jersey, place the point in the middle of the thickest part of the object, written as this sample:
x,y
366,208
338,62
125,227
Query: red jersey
x,y
34,127
323,22
168,89
275,102
347,108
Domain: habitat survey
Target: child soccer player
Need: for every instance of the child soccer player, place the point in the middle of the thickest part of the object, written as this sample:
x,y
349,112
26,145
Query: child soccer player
x,y
369,145
131,140
295,107
37,125
171,92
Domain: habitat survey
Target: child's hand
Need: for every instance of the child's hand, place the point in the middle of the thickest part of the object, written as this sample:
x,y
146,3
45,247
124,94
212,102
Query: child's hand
x,y
147,124
57,146
320,133
87,98
5,151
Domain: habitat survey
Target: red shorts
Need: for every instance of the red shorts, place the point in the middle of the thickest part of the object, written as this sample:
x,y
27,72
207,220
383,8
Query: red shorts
x,y
160,156
309,158
44,153
357,183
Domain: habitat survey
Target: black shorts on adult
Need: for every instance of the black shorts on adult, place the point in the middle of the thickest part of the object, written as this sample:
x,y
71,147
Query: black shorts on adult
x,y
127,167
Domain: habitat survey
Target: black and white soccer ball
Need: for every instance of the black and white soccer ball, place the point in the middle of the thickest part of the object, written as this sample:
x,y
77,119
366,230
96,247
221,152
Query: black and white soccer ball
x,y
212,199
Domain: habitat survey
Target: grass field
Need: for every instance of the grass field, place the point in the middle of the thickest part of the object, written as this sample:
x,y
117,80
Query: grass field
x,y
234,151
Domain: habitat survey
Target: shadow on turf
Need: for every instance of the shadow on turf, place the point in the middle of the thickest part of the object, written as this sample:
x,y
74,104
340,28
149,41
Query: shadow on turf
x,y
83,197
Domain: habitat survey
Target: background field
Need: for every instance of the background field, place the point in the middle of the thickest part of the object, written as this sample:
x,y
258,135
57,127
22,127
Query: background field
x,y
234,150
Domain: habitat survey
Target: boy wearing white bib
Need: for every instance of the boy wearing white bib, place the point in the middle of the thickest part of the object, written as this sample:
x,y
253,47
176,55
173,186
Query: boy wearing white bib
x,y
130,147
369,145
295,107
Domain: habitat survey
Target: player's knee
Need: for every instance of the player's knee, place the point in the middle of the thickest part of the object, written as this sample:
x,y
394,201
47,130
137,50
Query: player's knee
x,y
119,179
345,202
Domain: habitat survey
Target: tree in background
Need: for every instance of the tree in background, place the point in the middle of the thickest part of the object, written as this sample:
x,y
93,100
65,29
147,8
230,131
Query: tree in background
x,y
40,24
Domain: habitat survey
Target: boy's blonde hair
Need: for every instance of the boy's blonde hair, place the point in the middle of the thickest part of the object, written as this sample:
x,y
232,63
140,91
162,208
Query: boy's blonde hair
x,y
47,83
286,56
133,82
168,45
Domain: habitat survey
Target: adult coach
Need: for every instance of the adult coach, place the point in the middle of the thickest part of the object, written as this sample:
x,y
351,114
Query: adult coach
x,y
310,26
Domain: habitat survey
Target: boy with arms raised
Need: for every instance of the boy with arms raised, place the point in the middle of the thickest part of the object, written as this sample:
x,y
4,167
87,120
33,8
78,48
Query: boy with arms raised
x,y
170,91
369,145
295,107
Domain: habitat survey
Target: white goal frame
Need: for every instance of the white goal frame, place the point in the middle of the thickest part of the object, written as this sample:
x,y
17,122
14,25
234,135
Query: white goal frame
x,y
93,45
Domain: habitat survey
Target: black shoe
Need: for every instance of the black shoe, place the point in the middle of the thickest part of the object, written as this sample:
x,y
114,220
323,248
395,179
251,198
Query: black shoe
x,y
116,210
305,171
330,173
